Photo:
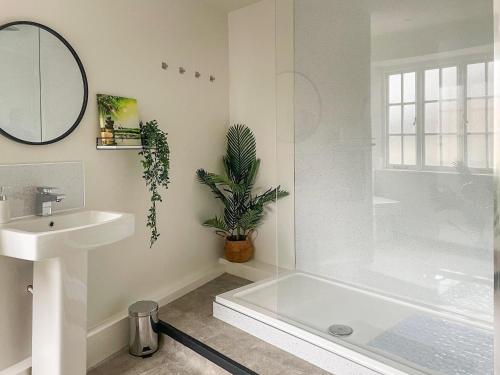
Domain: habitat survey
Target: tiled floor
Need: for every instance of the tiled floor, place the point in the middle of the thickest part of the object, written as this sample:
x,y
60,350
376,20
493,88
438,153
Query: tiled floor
x,y
192,314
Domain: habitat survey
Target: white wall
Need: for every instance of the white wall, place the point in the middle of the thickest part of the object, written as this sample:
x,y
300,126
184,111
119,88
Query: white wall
x,y
261,96
121,45
426,40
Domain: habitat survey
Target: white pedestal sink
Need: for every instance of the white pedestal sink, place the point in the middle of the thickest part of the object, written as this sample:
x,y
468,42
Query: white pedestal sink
x,y
58,247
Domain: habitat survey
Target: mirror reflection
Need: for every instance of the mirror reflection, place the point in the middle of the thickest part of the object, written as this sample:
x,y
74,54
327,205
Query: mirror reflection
x,y
43,91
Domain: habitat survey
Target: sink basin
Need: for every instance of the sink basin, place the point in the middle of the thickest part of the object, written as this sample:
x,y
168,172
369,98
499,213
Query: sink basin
x,y
58,246
58,235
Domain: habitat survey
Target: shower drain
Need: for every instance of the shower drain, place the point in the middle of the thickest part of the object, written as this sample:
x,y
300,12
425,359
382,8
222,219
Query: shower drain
x,y
340,330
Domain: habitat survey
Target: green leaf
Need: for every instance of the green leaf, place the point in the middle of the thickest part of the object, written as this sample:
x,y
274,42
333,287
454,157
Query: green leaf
x,y
251,219
271,195
241,151
204,178
231,213
156,165
251,177
216,223
223,180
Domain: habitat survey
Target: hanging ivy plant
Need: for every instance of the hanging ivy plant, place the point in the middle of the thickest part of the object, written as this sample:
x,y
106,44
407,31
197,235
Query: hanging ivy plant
x,y
156,163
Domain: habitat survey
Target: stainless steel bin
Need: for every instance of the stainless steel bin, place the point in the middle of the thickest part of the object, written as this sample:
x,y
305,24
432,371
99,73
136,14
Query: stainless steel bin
x,y
143,320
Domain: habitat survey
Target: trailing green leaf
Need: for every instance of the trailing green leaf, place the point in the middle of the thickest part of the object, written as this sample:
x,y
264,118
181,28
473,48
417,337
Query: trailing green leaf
x,y
155,161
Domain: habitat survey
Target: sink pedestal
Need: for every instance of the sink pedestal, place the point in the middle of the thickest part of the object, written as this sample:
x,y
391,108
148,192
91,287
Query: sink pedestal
x,y
58,246
59,345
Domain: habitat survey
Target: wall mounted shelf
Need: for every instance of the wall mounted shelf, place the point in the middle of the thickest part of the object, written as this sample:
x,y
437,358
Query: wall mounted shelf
x,y
118,144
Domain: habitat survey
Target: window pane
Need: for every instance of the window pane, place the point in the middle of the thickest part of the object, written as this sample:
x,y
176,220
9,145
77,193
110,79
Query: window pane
x,y
490,78
449,149
449,117
395,119
431,118
490,115
475,80
432,84
476,115
395,88
409,87
395,149
449,83
409,150
432,150
409,119
476,151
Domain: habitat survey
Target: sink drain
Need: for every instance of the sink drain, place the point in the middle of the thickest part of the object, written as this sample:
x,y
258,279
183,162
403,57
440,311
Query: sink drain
x,y
340,330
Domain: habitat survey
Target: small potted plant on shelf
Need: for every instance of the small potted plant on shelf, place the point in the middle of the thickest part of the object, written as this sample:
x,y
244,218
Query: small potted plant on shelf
x,y
243,210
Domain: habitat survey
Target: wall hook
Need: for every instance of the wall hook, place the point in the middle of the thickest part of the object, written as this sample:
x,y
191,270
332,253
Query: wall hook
x,y
164,65
182,70
197,74
212,78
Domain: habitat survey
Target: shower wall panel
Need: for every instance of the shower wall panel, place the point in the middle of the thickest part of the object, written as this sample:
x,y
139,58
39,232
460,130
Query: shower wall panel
x,y
333,182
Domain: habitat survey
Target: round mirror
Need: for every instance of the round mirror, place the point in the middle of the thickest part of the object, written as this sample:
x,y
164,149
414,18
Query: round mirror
x,y
43,89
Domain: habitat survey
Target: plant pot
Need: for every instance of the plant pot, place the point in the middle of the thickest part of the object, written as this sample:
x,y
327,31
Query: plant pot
x,y
238,251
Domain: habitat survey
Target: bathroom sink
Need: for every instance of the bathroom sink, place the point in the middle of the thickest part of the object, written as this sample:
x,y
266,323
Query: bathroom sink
x,y
42,238
58,246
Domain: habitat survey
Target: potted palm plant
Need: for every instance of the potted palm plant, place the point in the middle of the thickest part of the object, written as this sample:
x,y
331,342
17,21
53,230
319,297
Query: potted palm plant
x,y
243,210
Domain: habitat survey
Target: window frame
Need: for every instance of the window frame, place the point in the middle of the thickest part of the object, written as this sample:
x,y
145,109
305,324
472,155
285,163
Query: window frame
x,y
386,106
486,98
419,68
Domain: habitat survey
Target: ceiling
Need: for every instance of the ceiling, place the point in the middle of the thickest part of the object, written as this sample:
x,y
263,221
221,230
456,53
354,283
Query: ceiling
x,y
389,16
230,5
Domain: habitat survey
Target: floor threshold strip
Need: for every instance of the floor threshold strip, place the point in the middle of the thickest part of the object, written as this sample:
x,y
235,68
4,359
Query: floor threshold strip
x,y
204,350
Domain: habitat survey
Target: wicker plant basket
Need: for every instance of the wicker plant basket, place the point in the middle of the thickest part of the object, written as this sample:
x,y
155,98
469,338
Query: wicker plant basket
x,y
238,251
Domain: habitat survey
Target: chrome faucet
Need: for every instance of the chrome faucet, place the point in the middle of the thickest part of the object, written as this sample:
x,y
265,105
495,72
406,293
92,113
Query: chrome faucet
x,y
45,196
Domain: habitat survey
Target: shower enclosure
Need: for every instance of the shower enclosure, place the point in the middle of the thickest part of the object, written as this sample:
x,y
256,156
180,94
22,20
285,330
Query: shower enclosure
x,y
386,132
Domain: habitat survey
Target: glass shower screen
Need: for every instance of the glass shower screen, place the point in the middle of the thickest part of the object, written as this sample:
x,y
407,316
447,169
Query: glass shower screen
x,y
385,131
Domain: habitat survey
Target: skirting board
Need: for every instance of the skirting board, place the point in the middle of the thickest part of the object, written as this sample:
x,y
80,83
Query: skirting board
x,y
252,270
20,368
111,336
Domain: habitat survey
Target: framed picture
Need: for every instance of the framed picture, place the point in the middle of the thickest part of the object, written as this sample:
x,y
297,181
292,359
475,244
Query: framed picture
x,y
118,120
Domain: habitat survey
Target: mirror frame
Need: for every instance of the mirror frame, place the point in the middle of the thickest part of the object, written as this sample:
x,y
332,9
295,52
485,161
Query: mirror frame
x,y
84,81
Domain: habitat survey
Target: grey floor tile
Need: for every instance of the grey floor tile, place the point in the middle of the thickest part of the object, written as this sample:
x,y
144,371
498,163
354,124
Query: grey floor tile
x,y
192,314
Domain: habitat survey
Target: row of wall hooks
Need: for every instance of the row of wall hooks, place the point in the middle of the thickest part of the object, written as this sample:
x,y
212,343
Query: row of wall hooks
x,y
197,74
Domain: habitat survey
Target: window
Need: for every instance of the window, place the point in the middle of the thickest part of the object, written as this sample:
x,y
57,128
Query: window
x,y
439,116
479,115
402,119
